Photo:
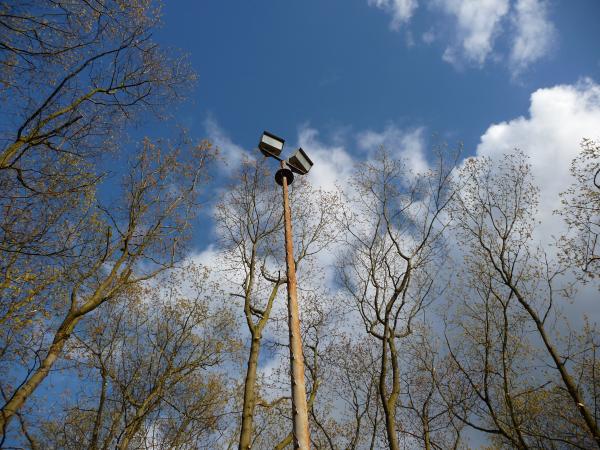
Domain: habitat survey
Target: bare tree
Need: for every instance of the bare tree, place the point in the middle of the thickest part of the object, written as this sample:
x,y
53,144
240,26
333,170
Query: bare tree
x,y
425,412
139,237
491,354
581,211
348,403
394,240
249,219
495,213
152,354
73,74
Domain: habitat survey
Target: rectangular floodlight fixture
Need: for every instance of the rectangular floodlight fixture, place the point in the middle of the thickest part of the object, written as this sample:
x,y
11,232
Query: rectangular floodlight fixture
x,y
299,162
270,145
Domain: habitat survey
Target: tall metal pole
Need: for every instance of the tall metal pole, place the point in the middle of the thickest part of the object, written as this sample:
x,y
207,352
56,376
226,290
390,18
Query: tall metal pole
x,y
299,407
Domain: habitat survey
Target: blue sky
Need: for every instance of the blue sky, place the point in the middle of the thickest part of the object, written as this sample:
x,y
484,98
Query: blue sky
x,y
340,77
342,65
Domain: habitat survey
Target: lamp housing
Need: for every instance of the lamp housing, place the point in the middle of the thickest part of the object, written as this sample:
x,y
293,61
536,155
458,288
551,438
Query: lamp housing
x,y
299,162
270,145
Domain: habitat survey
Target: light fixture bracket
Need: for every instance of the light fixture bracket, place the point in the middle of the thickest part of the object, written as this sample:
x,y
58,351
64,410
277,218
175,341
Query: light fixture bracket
x,y
284,172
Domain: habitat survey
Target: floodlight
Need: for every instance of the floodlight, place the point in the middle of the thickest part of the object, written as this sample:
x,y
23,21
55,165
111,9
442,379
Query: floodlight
x,y
299,162
270,145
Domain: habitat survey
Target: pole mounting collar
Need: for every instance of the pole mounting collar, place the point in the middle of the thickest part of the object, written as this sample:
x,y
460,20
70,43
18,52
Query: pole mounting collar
x,y
284,172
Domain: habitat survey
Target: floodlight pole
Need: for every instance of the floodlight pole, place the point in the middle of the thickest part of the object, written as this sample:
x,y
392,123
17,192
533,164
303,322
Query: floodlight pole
x,y
299,406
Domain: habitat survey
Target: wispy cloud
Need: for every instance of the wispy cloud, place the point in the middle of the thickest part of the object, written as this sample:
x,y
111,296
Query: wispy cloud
x,y
231,153
400,10
477,27
534,34
481,28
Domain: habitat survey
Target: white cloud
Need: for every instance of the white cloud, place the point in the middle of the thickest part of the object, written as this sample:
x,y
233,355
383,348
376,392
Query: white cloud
x,y
559,117
332,163
522,26
534,33
406,144
209,257
401,10
231,153
478,25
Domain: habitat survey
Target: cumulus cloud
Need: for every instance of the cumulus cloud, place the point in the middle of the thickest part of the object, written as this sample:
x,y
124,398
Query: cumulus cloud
x,y
401,10
534,33
559,117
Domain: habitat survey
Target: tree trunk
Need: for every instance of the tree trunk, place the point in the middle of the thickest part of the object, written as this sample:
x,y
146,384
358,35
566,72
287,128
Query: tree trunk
x,y
390,426
17,400
100,412
249,394
388,400
426,434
